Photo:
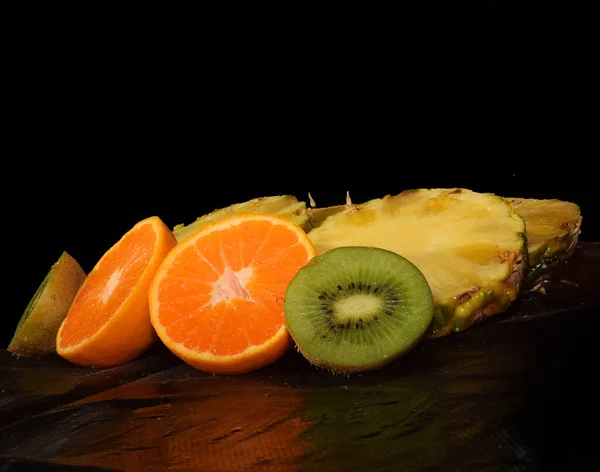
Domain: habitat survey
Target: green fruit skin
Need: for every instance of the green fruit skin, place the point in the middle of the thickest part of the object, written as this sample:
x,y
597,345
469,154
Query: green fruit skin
x,y
544,261
35,335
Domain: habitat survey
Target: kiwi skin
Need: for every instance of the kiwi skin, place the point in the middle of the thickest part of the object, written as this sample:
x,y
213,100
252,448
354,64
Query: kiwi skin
x,y
347,369
35,335
388,265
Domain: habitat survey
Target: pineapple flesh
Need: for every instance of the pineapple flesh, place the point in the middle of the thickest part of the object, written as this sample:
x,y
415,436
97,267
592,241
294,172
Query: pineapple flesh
x,y
470,246
286,206
552,227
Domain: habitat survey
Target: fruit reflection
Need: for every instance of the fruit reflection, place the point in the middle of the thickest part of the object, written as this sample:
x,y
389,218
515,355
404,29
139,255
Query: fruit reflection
x,y
212,424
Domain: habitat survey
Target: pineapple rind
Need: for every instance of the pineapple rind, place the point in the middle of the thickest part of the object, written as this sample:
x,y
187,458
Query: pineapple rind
x,y
472,308
553,228
456,310
286,206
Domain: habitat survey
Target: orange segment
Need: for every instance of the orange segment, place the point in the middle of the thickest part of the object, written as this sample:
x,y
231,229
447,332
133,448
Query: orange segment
x,y
217,298
108,322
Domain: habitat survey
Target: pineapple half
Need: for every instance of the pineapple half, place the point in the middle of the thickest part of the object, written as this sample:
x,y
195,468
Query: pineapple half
x,y
286,206
470,246
552,229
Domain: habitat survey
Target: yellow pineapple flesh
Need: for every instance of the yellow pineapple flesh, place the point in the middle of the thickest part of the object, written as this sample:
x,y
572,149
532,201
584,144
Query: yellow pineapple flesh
x,y
286,206
470,246
552,228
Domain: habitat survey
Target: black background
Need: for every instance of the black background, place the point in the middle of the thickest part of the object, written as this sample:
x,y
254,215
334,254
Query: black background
x,y
106,130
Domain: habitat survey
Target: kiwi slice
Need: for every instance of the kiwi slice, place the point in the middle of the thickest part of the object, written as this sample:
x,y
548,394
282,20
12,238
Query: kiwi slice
x,y
35,335
353,308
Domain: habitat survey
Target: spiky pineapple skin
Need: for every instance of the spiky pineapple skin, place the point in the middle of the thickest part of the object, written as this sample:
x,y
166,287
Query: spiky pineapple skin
x,y
481,303
469,307
286,206
552,228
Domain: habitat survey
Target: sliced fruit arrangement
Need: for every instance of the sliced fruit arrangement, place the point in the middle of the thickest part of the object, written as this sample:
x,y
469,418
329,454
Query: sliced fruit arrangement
x,y
36,331
553,228
286,206
354,309
108,323
469,245
353,286
217,299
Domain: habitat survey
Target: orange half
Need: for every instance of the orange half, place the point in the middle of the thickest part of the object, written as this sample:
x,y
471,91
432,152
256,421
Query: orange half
x,y
217,298
108,323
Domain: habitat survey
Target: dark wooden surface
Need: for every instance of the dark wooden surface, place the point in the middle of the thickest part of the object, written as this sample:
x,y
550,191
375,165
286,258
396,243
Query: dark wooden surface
x,y
513,394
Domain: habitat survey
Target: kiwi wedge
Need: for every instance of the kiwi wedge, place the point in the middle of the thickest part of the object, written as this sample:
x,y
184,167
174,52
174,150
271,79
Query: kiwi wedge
x,y
357,308
35,335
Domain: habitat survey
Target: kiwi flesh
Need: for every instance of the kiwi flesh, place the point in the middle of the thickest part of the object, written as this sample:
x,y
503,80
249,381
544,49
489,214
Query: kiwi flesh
x,y
353,309
35,334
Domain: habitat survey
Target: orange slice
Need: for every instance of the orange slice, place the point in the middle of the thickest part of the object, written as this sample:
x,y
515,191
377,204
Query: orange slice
x,y
108,323
217,298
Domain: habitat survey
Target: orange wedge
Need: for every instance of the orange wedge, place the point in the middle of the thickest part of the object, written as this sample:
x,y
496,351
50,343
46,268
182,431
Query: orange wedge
x,y
217,298
108,323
